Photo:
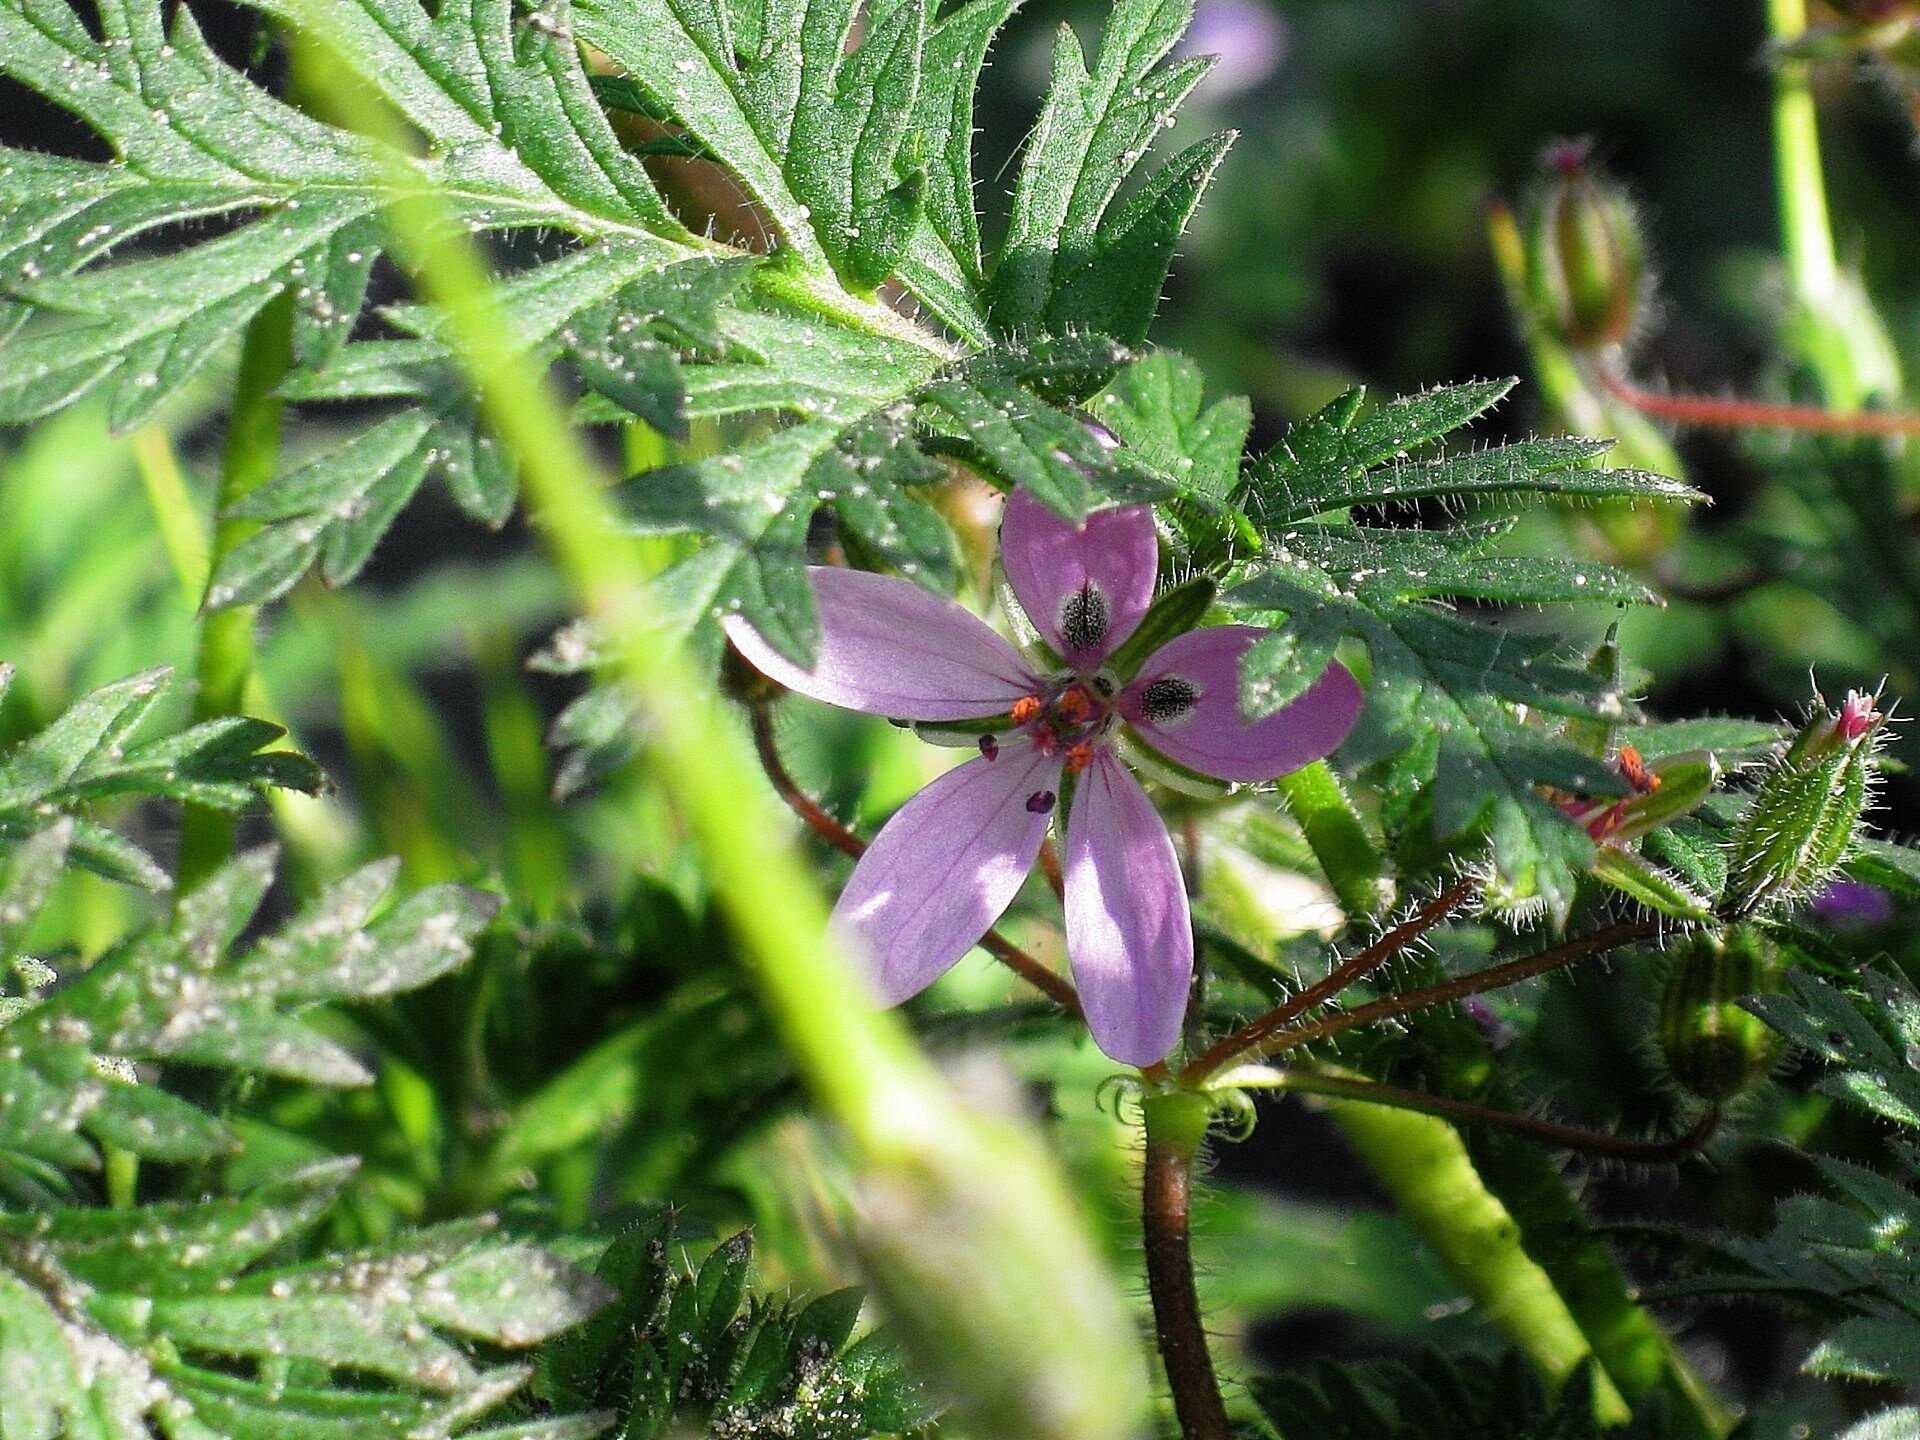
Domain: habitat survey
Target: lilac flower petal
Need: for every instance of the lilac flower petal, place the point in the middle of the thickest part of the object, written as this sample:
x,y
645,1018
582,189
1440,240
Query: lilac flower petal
x,y
1185,703
887,647
945,867
1129,934
1848,904
1084,586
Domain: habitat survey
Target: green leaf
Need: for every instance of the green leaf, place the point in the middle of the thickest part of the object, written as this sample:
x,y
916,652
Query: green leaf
x,y
699,1353
94,752
1157,406
1453,704
165,1313
1066,262
172,994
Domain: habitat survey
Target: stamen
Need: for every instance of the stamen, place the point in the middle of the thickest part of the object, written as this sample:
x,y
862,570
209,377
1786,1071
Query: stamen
x,y
989,747
1074,707
1041,802
1025,708
1045,739
1079,757
1635,772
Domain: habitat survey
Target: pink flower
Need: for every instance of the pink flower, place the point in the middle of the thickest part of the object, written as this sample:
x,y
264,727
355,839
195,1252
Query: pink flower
x,y
949,863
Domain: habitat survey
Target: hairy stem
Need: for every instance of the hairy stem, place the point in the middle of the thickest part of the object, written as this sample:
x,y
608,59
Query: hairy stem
x,y
767,746
1713,412
1494,977
226,636
1176,1123
1252,1038
1547,1132
1354,867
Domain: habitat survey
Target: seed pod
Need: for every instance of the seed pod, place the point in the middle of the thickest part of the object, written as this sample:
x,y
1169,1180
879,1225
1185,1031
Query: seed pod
x,y
1585,275
1713,1048
1802,820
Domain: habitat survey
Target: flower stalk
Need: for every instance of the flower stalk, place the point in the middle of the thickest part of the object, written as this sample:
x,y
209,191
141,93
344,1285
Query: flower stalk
x,y
1176,1124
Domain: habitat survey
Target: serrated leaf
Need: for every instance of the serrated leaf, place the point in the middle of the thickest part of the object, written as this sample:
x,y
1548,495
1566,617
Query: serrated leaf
x,y
1092,133
171,994
94,752
116,1338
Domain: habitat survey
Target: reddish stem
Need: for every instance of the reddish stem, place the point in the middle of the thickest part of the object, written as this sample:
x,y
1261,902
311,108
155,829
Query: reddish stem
x,y
1165,1217
1494,977
1548,1132
1251,1036
1716,413
844,840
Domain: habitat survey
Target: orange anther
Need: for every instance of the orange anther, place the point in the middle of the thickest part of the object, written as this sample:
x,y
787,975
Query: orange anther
x,y
1079,757
1074,706
1025,708
1635,772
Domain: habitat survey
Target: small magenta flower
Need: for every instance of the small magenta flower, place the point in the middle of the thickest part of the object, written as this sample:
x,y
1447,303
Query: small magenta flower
x,y
949,863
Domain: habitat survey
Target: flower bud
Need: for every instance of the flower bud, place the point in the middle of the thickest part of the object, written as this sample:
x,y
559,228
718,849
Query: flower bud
x,y
1585,277
986,1273
1802,819
1713,1048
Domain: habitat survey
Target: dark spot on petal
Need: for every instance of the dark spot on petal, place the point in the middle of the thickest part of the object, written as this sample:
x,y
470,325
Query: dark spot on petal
x,y
1168,698
1040,802
989,747
1084,618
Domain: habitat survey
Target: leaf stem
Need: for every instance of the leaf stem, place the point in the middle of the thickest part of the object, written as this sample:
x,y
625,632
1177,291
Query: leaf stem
x,y
1176,1123
816,818
1253,1037
1424,1164
226,636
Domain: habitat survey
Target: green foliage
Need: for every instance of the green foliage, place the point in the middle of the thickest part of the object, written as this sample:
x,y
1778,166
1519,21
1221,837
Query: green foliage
x,y
173,994
181,1315
1447,695
699,1350
1850,1251
95,752
859,160
1437,1398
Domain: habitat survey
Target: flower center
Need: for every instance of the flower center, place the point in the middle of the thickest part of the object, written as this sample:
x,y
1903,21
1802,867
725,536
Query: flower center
x,y
1070,716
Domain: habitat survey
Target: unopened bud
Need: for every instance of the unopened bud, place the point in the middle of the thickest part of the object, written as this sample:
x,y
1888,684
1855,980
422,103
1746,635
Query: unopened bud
x,y
1585,275
1801,821
985,1272
1713,1048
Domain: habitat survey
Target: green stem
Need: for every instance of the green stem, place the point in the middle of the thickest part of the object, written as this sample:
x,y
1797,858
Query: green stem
x,y
1352,863
971,1235
1832,326
226,636
1424,1165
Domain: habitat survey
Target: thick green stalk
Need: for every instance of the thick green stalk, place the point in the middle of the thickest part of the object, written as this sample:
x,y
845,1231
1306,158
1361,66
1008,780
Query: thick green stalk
x,y
972,1239
1355,869
1832,326
226,636
1634,1351
1425,1166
